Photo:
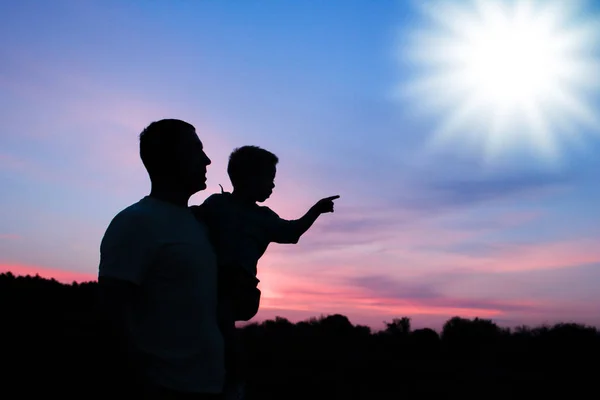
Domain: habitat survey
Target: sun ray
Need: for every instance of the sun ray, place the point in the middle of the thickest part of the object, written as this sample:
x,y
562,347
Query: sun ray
x,y
506,74
457,118
543,140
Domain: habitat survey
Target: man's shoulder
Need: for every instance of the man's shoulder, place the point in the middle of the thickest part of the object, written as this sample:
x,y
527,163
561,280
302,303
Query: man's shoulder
x,y
137,216
127,224
136,211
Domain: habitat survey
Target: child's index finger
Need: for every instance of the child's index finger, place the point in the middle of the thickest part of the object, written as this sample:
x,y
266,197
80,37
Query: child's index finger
x,y
333,197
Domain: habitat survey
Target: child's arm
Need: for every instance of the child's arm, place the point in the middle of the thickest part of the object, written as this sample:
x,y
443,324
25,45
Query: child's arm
x,y
291,231
300,226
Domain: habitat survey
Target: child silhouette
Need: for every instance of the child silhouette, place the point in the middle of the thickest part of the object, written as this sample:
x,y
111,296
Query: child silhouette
x,y
241,231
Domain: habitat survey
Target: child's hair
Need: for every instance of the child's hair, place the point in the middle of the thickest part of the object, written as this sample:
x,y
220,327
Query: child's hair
x,y
247,161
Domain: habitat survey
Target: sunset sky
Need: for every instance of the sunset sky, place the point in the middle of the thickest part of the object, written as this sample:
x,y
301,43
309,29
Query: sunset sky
x,y
503,227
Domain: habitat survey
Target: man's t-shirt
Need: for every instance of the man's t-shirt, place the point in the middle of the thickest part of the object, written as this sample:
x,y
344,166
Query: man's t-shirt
x,y
173,327
242,232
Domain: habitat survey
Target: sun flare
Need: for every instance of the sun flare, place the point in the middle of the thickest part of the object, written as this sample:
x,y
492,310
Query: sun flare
x,y
506,74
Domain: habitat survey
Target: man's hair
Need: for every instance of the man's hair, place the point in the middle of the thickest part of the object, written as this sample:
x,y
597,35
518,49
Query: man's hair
x,y
247,161
157,143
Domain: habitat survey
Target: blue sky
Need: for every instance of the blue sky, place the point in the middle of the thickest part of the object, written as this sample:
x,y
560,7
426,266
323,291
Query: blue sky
x,y
428,235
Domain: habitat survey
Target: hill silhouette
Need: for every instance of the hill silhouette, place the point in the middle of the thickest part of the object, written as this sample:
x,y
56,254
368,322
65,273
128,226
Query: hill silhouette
x,y
53,344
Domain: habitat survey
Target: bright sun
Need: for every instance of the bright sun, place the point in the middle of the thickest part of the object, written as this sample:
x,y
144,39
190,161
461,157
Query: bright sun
x,y
507,74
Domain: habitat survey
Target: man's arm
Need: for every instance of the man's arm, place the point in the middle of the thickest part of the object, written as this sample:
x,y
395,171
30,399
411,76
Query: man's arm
x,y
291,231
126,251
115,297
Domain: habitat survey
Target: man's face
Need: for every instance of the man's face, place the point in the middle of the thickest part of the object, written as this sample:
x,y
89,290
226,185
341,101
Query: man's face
x,y
192,161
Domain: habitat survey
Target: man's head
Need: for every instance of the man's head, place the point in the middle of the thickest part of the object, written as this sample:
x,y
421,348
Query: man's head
x,y
173,154
252,172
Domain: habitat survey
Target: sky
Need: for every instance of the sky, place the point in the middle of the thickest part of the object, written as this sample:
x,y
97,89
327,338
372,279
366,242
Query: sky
x,y
421,230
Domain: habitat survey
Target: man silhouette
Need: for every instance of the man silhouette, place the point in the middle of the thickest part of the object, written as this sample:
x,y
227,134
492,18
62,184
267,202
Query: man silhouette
x,y
158,276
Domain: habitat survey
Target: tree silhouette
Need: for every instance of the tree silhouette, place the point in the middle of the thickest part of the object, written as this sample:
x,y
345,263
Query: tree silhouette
x,y
52,343
398,326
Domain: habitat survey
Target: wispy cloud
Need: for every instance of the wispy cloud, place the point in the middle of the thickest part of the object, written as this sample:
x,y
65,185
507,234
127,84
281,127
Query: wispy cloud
x,y
442,194
527,256
386,238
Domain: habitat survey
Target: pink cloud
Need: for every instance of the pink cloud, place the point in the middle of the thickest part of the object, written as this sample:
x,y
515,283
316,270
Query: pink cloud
x,y
312,277
560,254
510,257
304,294
334,252
363,308
9,236
60,275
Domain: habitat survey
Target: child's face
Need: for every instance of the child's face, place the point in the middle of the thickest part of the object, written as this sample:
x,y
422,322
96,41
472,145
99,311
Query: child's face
x,y
263,185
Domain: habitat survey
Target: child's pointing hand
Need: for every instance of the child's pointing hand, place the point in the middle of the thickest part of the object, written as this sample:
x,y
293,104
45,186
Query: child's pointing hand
x,y
325,205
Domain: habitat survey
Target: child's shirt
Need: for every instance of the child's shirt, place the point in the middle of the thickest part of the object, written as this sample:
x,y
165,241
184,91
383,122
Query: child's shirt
x,y
242,232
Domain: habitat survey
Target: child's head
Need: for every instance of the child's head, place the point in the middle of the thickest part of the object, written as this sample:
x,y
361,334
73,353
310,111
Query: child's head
x,y
252,172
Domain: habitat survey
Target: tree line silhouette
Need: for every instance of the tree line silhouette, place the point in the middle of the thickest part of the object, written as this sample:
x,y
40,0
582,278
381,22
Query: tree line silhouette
x,y
53,344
